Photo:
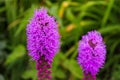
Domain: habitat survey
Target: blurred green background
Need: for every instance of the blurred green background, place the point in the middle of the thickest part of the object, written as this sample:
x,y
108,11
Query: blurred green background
x,y
75,18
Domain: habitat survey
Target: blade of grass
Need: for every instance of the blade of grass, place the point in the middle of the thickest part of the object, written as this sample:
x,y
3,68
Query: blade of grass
x,y
107,13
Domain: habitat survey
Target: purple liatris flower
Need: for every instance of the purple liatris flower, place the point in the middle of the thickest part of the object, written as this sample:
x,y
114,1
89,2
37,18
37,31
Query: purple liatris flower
x,y
92,54
43,41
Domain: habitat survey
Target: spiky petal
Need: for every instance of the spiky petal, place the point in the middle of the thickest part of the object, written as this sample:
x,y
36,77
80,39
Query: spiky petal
x,y
43,40
92,53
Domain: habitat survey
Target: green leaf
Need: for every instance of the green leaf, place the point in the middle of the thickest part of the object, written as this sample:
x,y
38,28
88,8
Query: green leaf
x,y
116,73
70,15
30,74
56,71
107,13
110,29
25,20
73,67
59,73
18,52
58,58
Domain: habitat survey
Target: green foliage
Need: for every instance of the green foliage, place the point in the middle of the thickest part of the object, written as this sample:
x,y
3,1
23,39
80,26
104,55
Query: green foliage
x,y
31,72
18,52
75,18
74,68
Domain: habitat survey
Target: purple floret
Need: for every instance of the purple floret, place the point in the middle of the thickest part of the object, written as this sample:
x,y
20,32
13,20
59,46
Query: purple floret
x,y
43,42
92,53
43,39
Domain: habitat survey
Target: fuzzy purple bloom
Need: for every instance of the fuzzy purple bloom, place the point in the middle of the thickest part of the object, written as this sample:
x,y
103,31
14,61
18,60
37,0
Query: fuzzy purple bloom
x,y
92,53
43,39
42,36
